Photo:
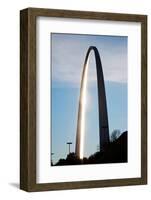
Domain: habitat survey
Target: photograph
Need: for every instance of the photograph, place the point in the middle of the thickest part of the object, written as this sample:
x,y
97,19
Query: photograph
x,y
83,99
89,99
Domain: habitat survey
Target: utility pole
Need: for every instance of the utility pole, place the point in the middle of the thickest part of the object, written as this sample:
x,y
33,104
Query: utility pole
x,y
98,148
69,143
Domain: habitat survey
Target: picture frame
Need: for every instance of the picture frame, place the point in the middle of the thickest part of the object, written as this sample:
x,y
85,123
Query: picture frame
x,y
29,98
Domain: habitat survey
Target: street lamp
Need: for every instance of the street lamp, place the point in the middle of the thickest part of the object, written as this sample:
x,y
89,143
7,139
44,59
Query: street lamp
x,y
69,143
51,158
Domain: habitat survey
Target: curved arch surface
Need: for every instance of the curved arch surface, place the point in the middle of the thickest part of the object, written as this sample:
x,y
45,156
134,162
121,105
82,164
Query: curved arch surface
x,y
102,105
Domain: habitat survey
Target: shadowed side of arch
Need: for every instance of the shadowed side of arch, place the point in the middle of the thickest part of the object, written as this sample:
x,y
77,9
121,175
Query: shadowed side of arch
x,y
102,105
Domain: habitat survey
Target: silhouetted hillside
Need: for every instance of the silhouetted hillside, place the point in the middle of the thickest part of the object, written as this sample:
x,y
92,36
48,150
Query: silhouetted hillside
x,y
114,152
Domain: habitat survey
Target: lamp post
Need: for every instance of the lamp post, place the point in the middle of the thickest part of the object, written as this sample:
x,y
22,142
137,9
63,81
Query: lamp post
x,y
69,143
51,158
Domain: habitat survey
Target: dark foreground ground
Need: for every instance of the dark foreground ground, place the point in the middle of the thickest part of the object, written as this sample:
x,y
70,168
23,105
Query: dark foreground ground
x,y
114,152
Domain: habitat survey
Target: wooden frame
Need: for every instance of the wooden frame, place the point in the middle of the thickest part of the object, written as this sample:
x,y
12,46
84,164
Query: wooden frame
x,y
28,99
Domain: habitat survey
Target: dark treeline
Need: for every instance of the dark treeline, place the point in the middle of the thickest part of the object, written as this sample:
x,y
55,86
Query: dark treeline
x,y
114,152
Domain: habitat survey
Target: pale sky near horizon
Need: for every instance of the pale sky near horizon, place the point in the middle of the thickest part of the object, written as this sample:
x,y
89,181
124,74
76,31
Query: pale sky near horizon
x,y
68,54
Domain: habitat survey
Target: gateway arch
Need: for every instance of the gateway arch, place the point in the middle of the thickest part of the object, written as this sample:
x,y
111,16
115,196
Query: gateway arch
x,y
102,105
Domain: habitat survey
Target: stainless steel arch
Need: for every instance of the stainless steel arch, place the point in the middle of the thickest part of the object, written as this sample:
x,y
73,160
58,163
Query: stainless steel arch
x,y
103,116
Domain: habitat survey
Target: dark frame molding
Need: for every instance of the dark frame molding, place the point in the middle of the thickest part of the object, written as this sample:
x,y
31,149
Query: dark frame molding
x,y
28,98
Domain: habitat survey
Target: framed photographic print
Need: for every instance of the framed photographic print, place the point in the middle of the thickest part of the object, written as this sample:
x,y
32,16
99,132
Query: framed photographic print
x,y
83,99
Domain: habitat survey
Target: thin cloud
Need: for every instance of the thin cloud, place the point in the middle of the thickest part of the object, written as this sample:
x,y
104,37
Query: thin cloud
x,y
68,54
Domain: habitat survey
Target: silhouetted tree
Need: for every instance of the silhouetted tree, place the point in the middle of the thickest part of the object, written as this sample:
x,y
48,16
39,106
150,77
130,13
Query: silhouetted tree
x,y
115,135
114,152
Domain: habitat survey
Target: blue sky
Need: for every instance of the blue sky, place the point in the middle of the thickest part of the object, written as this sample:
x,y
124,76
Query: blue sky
x,y
68,54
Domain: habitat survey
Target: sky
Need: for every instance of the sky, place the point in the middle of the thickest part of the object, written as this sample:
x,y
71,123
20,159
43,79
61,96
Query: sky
x,y
67,58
